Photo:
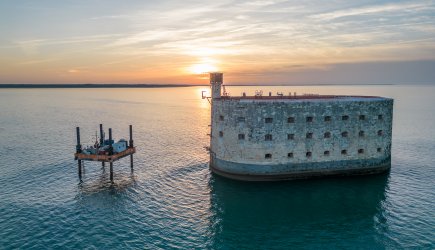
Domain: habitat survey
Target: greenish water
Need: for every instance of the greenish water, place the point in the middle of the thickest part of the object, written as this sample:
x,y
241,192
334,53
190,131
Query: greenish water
x,y
172,201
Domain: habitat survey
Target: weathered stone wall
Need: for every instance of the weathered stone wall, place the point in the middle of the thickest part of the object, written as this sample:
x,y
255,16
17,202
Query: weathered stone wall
x,y
281,132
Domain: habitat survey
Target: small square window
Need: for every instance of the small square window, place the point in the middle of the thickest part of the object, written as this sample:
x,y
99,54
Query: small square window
x,y
344,152
326,153
268,120
344,134
362,117
241,136
221,134
345,117
309,135
361,133
241,119
268,156
268,137
327,135
379,150
308,154
327,118
290,155
360,151
291,120
290,136
221,118
380,117
309,119
380,132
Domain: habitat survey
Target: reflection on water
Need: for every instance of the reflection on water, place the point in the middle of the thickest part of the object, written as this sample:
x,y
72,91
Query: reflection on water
x,y
306,212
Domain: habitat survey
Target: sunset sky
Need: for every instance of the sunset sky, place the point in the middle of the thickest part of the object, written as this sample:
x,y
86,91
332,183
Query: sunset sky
x,y
261,42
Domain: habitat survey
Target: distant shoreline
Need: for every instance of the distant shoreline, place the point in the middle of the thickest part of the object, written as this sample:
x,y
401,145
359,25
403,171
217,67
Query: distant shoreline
x,y
118,85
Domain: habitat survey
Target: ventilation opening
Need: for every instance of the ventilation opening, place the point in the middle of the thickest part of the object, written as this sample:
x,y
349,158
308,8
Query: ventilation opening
x,y
380,132
379,150
326,153
361,133
327,135
344,134
290,136
268,137
291,120
362,117
309,119
344,152
360,151
327,118
290,155
221,118
268,156
241,136
268,120
241,119
309,135
345,117
380,117
221,134
308,154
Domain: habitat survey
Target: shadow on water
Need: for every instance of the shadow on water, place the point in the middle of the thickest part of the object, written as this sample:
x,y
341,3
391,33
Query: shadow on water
x,y
305,213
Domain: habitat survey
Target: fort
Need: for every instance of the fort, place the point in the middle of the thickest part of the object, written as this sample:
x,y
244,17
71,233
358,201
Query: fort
x,y
283,137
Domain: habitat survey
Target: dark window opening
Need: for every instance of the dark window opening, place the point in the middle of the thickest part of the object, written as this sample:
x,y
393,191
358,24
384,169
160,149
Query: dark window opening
x,y
268,137
362,117
380,117
268,156
345,117
344,134
326,153
241,119
221,134
379,150
241,136
309,119
327,118
309,135
361,133
290,136
290,155
380,132
308,154
268,120
221,118
360,151
344,152
291,120
327,135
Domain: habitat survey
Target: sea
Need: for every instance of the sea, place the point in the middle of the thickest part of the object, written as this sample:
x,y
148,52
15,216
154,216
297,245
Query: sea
x,y
171,200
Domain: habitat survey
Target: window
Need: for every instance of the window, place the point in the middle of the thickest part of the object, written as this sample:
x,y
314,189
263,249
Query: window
x,y
380,117
268,156
361,133
309,135
345,117
344,152
221,134
241,119
327,118
379,150
268,120
308,154
326,153
362,117
327,135
309,119
291,120
268,137
221,118
360,151
290,155
380,132
290,136
241,136
344,134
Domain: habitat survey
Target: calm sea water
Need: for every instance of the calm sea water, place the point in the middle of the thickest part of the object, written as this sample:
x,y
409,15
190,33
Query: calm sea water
x,y
171,200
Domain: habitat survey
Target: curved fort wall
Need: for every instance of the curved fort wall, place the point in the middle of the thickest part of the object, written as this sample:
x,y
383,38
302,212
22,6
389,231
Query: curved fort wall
x,y
291,137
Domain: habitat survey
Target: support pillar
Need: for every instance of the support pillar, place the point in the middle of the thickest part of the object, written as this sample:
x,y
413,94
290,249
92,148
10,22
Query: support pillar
x,y
79,150
111,171
110,153
131,145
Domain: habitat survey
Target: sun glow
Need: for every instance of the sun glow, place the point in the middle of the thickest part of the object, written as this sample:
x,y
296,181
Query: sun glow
x,y
202,68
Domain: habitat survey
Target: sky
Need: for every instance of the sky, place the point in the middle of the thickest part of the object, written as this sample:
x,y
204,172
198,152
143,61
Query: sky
x,y
252,42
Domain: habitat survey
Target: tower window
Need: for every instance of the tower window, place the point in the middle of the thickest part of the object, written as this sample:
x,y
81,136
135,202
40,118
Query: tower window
x,y
361,133
221,134
309,119
290,136
268,137
290,155
268,156
380,117
308,154
327,135
362,117
291,120
360,151
241,136
345,117
327,118
344,134
379,150
241,119
344,152
221,118
268,120
309,135
326,153
380,132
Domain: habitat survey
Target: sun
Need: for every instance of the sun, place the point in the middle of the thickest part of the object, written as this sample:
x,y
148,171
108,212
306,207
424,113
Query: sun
x,y
202,68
